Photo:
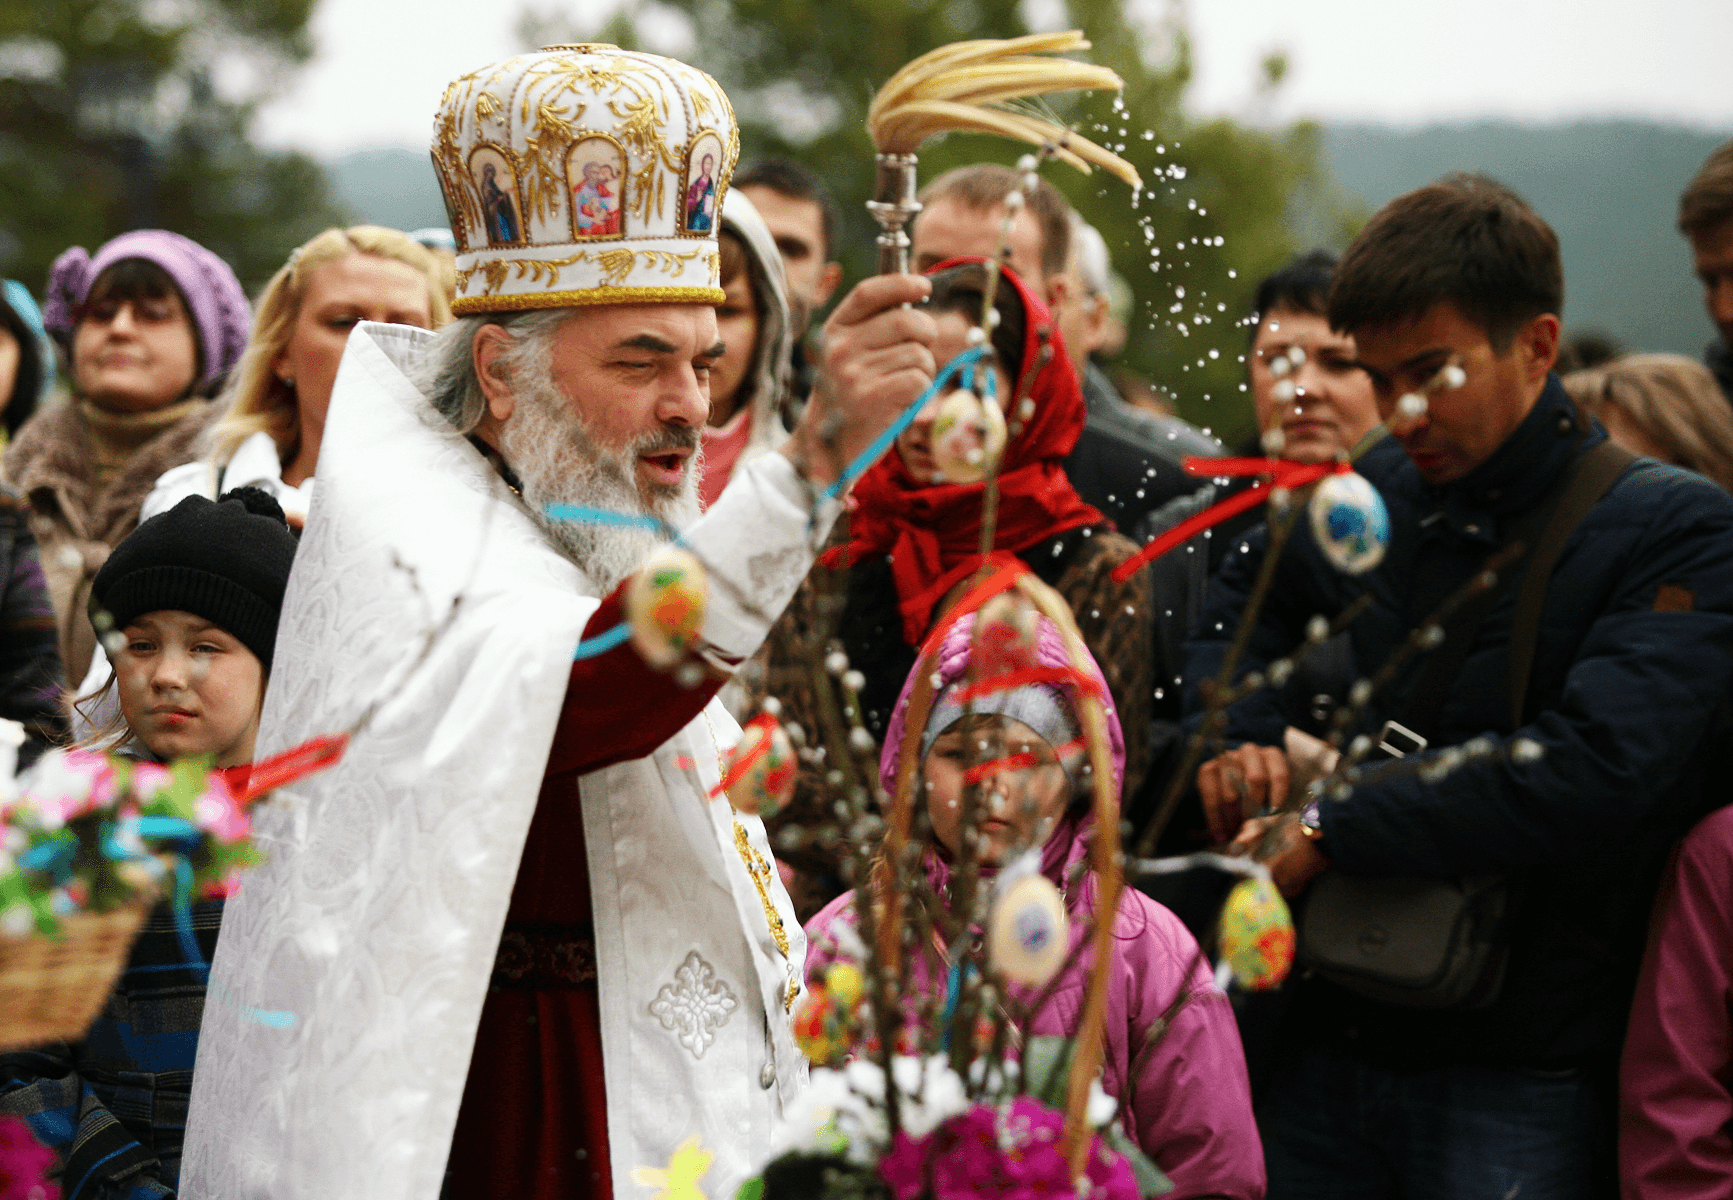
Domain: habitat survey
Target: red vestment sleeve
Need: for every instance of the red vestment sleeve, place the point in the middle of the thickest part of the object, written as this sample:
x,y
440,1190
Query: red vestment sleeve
x,y
618,707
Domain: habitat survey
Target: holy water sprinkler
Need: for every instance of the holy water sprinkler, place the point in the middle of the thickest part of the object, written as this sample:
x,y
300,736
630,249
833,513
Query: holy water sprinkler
x,y
974,87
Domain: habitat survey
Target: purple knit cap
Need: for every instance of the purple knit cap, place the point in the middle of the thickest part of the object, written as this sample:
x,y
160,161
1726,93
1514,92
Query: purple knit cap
x,y
213,295
954,661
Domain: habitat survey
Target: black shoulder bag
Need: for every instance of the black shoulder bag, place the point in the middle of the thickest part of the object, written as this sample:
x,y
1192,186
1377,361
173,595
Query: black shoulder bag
x,y
1438,943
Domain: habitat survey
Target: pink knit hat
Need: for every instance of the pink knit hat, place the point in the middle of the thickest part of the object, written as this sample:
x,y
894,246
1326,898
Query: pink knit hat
x,y
953,664
213,295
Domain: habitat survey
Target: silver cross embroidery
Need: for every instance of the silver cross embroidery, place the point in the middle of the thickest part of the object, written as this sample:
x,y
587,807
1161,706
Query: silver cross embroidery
x,y
695,1005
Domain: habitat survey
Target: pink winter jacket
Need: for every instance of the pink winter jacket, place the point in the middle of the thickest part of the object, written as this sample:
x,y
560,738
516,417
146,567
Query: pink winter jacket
x,y
1190,1106
1675,1102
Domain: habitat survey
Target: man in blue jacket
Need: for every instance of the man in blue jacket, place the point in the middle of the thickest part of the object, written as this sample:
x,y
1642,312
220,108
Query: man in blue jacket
x,y
1573,803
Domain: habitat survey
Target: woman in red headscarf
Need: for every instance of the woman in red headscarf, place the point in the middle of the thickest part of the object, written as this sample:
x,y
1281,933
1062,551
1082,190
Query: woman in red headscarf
x,y
912,540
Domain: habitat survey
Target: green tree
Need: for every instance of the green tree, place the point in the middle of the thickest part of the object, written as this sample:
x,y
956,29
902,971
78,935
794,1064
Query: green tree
x,y
1218,211
126,114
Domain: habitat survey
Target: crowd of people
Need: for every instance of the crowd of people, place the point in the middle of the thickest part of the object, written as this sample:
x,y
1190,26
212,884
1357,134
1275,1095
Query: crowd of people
x,y
527,946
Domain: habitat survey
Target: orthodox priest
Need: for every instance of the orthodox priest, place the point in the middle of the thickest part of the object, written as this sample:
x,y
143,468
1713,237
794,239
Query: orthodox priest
x,y
514,944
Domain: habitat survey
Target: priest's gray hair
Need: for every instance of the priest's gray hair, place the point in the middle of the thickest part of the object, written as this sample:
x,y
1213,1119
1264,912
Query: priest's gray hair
x,y
446,373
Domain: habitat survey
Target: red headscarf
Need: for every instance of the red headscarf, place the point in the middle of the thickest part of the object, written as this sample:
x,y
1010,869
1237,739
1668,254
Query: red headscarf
x,y
933,532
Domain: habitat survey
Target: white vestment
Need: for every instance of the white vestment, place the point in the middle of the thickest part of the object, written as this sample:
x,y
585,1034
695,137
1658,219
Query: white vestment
x,y
375,922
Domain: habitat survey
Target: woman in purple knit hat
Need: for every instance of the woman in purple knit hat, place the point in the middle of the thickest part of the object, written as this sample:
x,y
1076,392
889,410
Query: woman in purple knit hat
x,y
1186,1102
150,325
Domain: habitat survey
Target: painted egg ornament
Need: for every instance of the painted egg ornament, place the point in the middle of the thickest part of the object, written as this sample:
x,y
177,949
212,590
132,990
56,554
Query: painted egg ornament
x,y
664,606
767,782
1257,935
968,436
1007,631
823,1026
1029,933
845,981
1350,521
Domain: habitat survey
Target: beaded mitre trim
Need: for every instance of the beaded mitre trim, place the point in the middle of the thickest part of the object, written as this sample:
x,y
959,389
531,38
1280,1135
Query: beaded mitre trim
x,y
585,174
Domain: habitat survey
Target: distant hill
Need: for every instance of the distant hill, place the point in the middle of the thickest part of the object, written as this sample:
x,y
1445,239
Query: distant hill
x,y
391,187
1610,189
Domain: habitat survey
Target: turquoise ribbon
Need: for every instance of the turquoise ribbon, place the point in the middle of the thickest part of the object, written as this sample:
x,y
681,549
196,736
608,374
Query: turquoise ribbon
x,y
602,642
601,516
866,458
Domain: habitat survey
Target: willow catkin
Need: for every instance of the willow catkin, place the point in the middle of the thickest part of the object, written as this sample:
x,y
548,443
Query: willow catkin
x,y
967,87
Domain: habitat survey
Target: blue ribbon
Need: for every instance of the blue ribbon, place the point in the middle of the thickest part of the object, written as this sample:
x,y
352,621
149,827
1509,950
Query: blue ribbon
x,y
53,859
602,642
966,360
602,516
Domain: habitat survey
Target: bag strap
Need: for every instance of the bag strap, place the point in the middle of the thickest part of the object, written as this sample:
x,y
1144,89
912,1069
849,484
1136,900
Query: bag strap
x,y
1541,533
1591,475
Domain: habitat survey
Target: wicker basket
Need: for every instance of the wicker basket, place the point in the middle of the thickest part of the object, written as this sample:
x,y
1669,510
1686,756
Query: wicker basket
x,y
52,990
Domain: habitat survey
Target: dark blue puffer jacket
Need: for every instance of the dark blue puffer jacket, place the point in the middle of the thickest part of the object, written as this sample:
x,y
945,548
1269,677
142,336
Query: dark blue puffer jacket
x,y
1631,675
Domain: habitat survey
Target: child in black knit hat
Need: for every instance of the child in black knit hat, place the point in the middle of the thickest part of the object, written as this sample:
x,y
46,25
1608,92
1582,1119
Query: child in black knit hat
x,y
188,608
193,596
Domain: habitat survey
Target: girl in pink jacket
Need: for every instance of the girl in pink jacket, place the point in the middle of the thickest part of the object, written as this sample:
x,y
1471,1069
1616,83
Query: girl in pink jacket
x,y
1189,1105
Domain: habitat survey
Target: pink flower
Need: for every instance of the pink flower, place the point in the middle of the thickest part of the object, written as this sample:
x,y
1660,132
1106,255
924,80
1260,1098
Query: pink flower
x,y
149,779
64,785
904,1166
1014,1151
24,1163
216,812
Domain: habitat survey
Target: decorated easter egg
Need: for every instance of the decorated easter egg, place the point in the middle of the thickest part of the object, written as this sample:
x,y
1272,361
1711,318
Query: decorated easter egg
x,y
845,982
1257,935
1350,521
1007,629
968,436
760,769
1029,932
823,1026
664,605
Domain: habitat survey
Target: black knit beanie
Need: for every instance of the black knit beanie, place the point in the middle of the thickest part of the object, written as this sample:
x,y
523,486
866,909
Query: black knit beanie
x,y
224,560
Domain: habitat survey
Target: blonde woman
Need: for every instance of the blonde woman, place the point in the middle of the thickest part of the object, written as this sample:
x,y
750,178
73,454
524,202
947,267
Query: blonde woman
x,y
1665,406
281,388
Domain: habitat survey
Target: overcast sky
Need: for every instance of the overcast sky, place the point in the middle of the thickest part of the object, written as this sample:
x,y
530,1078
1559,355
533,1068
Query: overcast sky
x,y
381,68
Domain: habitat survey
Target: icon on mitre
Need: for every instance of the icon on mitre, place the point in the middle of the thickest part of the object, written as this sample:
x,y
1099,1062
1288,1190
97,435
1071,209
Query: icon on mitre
x,y
596,172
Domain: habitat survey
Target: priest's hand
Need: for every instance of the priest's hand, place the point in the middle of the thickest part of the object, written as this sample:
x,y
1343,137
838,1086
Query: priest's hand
x,y
877,360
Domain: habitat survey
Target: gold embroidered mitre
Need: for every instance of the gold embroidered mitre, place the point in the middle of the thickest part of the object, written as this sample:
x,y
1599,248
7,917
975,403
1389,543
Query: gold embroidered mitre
x,y
585,175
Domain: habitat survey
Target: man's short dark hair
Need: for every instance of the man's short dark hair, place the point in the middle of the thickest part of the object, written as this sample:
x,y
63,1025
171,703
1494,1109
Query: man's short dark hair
x,y
1707,200
985,185
796,181
1301,285
1465,239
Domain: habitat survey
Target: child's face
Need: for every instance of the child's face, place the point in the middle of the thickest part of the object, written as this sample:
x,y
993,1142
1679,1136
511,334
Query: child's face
x,y
187,687
1020,799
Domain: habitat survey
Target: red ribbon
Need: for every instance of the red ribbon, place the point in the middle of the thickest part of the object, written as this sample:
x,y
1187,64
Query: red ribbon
x,y
280,770
1284,474
1010,569
1022,677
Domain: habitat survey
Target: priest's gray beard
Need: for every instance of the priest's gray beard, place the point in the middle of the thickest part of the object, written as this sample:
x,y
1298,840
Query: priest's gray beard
x,y
558,462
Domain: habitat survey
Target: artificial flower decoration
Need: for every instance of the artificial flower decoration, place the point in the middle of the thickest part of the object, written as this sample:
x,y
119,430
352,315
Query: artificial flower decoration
x,y
88,831
679,1179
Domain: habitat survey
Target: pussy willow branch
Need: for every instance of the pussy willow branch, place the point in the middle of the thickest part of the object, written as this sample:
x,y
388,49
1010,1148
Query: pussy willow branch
x,y
1281,525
